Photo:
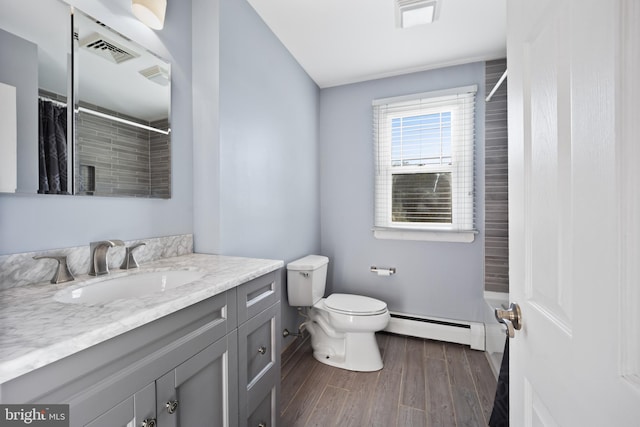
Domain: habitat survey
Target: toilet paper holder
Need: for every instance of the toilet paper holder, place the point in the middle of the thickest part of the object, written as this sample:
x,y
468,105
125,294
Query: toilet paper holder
x,y
383,271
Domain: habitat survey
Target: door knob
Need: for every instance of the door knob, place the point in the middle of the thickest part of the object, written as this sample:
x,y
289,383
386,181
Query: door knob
x,y
149,422
511,317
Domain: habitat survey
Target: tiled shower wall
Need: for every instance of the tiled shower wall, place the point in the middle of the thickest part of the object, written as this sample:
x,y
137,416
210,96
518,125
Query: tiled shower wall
x,y
118,159
160,160
496,257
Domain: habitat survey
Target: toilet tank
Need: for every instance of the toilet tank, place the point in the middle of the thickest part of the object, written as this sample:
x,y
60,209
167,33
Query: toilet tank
x,y
306,280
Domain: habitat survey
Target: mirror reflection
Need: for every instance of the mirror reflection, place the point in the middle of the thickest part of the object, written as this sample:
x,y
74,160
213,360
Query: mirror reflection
x,y
36,53
122,115
120,144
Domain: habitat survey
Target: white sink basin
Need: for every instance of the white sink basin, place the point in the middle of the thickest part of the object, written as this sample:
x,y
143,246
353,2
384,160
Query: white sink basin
x,y
131,286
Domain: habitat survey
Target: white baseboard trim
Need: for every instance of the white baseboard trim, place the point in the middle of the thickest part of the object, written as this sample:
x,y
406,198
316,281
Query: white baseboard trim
x,y
456,331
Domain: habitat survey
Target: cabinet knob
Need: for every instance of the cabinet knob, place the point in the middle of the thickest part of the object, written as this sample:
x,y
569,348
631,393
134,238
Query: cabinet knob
x,y
172,406
262,425
262,349
149,422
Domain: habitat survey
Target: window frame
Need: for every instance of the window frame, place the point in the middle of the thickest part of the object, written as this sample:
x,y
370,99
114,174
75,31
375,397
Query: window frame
x,y
462,166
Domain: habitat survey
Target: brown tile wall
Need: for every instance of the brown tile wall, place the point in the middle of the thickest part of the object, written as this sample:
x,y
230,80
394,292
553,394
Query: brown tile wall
x,y
496,258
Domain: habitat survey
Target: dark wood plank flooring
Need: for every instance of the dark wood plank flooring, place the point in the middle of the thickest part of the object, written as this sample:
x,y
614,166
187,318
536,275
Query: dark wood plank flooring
x,y
423,383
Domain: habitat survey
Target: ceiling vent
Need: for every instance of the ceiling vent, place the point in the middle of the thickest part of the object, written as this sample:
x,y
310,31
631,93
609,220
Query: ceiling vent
x,y
156,74
106,48
410,13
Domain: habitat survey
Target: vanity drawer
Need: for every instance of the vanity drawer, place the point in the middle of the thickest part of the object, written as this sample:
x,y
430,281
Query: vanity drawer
x,y
257,340
264,415
257,295
259,358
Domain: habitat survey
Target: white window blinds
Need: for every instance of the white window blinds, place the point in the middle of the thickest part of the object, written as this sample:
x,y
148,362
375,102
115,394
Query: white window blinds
x,y
424,161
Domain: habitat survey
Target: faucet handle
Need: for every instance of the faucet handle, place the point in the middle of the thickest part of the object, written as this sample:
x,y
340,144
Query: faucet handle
x,y
62,273
129,260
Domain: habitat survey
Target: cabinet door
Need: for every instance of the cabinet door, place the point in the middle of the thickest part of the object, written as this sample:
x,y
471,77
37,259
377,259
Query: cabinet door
x,y
201,391
264,415
259,361
131,412
120,415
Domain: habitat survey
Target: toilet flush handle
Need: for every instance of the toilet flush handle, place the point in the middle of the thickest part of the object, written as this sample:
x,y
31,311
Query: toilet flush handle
x,y
304,274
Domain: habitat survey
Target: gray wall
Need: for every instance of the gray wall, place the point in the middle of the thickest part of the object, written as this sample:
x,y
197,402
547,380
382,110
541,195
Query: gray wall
x,y
267,179
269,142
40,222
433,278
205,48
496,252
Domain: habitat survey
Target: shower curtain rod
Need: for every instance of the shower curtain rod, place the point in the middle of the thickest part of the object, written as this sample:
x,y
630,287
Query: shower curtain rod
x,y
125,121
58,103
495,88
109,117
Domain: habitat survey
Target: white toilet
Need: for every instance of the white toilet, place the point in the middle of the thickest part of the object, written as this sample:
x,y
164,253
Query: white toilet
x,y
342,326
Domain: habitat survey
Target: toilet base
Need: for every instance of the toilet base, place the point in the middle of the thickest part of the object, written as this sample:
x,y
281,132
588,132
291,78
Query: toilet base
x,y
357,351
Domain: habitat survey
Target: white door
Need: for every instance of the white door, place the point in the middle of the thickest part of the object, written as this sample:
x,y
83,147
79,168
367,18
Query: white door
x,y
574,201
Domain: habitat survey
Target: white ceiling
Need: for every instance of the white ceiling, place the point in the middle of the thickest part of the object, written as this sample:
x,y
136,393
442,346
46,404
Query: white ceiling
x,y
346,41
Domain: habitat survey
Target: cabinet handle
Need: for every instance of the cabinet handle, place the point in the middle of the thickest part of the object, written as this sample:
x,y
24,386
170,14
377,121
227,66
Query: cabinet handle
x,y
262,349
149,422
172,405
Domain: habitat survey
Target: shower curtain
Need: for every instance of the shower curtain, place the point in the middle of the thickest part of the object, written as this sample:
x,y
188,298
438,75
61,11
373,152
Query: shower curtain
x,y
500,413
52,142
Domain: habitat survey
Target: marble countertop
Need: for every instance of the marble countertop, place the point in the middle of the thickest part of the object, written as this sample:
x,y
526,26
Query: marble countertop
x,y
36,330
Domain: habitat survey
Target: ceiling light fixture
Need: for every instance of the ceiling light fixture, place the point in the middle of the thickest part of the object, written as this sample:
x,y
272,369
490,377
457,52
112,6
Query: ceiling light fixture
x,y
410,13
150,12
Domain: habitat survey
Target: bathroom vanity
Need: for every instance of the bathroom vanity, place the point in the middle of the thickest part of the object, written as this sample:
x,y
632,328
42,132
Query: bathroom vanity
x,y
204,353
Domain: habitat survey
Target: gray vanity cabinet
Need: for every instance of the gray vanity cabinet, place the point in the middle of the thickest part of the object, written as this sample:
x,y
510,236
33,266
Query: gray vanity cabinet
x,y
191,381
215,363
259,351
201,391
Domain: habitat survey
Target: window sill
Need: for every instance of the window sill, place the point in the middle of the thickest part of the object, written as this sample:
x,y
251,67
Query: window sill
x,y
425,235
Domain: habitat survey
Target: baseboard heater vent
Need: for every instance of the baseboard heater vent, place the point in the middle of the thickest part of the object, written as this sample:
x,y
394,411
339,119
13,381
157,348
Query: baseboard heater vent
x,y
461,332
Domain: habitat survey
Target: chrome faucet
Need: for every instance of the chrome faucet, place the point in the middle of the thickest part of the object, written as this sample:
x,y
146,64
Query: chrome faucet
x,y
98,251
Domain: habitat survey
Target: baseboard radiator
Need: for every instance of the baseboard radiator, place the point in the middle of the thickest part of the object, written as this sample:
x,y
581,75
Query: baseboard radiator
x,y
461,332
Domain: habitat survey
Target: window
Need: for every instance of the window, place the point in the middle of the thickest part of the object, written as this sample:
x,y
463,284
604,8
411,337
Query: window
x,y
425,165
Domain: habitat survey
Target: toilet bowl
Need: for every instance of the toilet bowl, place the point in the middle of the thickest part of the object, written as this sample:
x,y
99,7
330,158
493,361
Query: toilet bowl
x,y
342,326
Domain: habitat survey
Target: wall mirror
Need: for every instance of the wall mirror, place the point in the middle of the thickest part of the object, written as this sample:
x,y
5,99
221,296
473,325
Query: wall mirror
x,y
118,129
122,96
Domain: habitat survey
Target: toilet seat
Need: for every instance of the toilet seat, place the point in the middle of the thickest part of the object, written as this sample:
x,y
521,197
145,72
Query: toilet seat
x,y
354,305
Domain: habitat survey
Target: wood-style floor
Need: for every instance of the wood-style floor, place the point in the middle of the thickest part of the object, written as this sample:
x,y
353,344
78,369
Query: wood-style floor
x,y
423,383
